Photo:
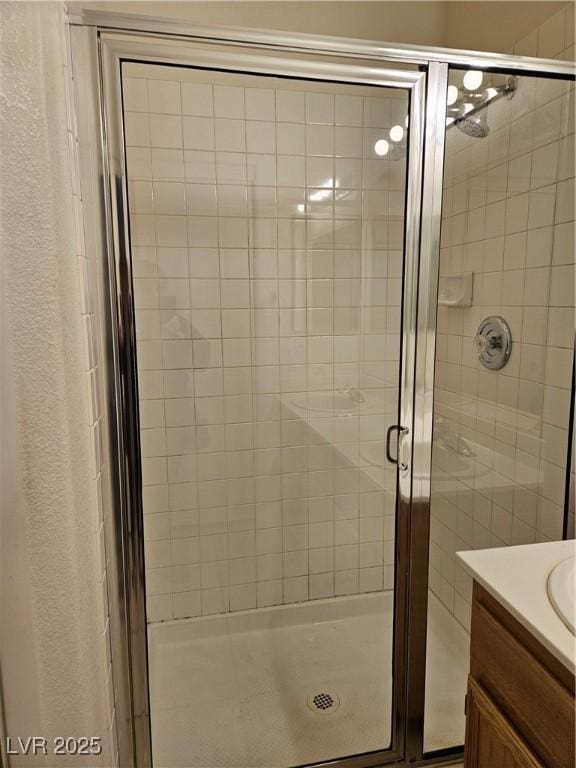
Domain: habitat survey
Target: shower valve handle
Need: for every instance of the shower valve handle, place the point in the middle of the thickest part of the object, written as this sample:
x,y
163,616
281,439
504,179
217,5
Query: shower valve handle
x,y
402,431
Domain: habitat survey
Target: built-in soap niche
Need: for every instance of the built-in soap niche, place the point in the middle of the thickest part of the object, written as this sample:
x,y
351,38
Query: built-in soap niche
x,y
456,290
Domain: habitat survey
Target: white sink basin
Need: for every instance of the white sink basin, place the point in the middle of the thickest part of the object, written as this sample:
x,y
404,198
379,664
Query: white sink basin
x,y
562,592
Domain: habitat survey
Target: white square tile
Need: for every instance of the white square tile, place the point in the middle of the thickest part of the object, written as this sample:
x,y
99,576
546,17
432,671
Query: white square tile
x,y
319,108
135,94
175,324
319,172
140,197
142,230
169,198
136,129
178,383
210,410
176,354
228,101
232,232
320,140
202,232
234,263
197,99
204,294
348,142
231,168
290,106
290,139
541,207
235,294
232,200
171,231
198,133
242,597
260,137
187,604
201,200
261,169
200,166
291,171
139,162
230,135
164,97
260,104
179,412
167,164
203,263
207,353
208,382
348,110
166,131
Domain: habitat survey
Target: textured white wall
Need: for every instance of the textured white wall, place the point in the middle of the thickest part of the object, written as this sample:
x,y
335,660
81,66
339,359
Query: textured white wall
x,y
52,611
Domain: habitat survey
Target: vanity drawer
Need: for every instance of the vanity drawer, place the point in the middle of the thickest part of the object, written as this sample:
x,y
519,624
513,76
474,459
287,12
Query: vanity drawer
x,y
526,682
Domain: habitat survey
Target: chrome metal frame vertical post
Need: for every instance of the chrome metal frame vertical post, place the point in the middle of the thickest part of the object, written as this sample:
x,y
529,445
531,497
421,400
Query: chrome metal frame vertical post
x,y
412,246
88,105
424,404
125,389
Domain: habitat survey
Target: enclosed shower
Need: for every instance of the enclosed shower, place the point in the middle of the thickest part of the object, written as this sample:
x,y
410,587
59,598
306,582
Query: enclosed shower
x,y
341,341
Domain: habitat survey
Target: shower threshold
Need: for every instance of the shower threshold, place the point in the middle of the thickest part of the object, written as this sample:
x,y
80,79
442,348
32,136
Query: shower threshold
x,y
235,690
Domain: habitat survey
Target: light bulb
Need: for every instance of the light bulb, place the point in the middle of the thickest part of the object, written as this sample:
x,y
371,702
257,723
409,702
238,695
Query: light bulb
x,y
452,94
381,147
472,80
396,133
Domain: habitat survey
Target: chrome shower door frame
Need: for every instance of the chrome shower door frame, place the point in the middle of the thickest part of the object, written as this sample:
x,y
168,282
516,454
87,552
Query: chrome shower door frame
x,y
101,41
116,48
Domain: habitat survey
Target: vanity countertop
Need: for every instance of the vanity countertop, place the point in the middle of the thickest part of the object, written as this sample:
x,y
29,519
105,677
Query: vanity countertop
x,y
517,577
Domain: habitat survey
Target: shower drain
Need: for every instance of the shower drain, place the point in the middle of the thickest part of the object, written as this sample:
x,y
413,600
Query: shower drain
x,y
323,702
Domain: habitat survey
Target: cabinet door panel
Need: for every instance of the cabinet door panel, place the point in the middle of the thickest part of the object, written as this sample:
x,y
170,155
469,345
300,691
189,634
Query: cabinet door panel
x,y
491,741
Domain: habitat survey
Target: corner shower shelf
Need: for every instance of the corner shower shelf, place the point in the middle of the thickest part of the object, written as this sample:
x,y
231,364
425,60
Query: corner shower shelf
x,y
455,290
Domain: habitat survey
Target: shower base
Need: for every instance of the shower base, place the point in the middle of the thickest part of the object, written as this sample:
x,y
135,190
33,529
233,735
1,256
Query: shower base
x,y
235,689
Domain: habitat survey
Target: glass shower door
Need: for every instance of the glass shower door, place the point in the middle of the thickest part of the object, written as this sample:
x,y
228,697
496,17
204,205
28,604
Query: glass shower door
x,y
267,227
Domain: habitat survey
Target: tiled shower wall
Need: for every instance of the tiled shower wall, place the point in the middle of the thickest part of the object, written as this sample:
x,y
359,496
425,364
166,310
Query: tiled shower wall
x,y
501,437
267,256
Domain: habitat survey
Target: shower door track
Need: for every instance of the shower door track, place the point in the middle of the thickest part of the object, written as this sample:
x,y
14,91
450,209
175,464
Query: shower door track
x,y
100,42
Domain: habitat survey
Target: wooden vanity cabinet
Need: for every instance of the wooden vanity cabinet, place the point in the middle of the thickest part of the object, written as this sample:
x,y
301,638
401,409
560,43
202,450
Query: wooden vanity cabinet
x,y
520,701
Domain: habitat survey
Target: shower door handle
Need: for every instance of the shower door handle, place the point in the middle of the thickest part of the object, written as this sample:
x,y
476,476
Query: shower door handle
x,y
401,432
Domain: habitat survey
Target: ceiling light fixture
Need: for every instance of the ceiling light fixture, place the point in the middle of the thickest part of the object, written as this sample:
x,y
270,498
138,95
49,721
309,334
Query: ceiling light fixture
x,y
381,147
472,79
452,94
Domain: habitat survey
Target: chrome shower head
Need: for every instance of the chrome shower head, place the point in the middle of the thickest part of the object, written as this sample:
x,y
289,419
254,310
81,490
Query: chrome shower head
x,y
474,121
475,126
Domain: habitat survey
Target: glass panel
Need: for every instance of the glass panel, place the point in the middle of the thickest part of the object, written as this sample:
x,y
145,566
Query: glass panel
x,y
267,245
500,433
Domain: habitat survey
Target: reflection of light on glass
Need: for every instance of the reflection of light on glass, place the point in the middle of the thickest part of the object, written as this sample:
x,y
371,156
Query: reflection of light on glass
x,y
396,133
491,92
467,107
319,195
472,80
301,207
406,120
449,120
381,147
452,94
